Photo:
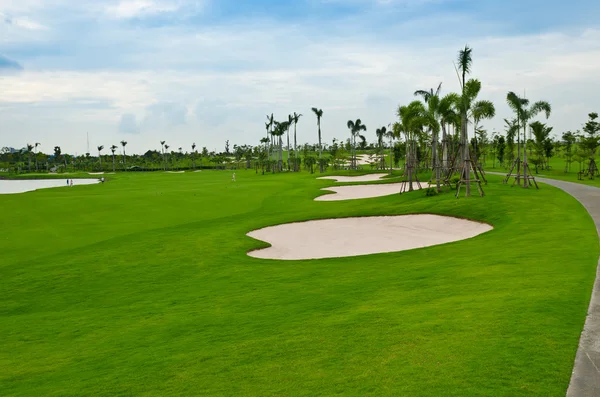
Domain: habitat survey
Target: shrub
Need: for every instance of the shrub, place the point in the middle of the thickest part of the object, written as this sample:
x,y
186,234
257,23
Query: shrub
x,y
431,191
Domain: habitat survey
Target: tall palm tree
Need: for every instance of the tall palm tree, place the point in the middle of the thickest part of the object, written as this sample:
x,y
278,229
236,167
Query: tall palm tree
x,y
29,152
465,61
100,154
113,149
124,143
271,125
162,147
355,128
193,154
289,124
381,133
524,113
36,155
319,114
541,132
426,94
296,118
166,155
267,146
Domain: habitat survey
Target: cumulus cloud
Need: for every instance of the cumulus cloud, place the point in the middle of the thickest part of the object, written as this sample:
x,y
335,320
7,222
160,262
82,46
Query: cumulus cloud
x,y
128,124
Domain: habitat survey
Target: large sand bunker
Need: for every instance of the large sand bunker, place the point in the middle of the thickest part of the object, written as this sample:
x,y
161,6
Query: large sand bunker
x,y
362,178
332,238
364,191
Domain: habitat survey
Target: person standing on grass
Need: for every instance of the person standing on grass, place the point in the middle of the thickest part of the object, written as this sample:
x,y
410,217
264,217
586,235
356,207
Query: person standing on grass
x,y
233,177
71,183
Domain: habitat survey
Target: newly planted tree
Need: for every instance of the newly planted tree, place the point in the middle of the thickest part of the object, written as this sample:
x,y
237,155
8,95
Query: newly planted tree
x,y
193,154
524,113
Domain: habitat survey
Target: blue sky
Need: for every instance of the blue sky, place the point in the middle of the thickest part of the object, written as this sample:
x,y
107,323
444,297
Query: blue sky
x,y
205,71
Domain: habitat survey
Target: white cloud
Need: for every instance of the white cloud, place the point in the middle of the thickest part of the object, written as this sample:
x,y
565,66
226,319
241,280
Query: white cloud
x,y
125,9
231,83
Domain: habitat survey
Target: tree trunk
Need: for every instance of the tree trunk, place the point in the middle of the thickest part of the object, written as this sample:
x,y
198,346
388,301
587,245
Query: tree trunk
x,y
295,151
444,148
113,162
435,160
320,148
288,149
466,161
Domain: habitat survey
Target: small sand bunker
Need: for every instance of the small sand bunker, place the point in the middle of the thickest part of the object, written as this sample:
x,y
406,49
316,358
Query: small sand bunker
x,y
175,172
333,238
364,191
96,173
362,178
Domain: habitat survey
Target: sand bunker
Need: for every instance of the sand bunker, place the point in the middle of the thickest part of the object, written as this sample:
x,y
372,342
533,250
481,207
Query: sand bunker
x,y
364,191
96,173
333,238
175,172
362,178
29,185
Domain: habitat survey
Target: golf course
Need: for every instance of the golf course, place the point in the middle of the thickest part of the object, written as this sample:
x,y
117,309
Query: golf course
x,y
143,286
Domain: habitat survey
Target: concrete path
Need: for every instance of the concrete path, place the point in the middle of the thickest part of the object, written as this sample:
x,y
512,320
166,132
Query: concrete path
x,y
585,380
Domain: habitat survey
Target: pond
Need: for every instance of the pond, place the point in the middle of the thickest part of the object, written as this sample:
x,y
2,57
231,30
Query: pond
x,y
28,185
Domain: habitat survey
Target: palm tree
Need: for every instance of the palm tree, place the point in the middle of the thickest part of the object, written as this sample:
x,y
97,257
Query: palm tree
x,y
193,154
271,124
481,110
430,119
267,146
124,143
278,132
36,155
427,94
448,115
319,114
113,149
100,154
468,93
29,151
381,133
57,153
541,132
166,154
295,118
162,146
411,124
524,113
289,124
355,128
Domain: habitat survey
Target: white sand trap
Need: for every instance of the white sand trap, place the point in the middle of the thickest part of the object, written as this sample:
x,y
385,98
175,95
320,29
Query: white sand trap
x,y
364,191
28,185
333,238
175,172
198,171
362,178
96,173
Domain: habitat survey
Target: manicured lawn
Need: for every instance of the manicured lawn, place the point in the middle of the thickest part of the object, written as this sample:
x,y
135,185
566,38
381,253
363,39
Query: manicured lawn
x,y
141,286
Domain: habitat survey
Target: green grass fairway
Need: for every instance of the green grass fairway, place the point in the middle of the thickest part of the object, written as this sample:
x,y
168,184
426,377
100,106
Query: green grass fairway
x,y
142,286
